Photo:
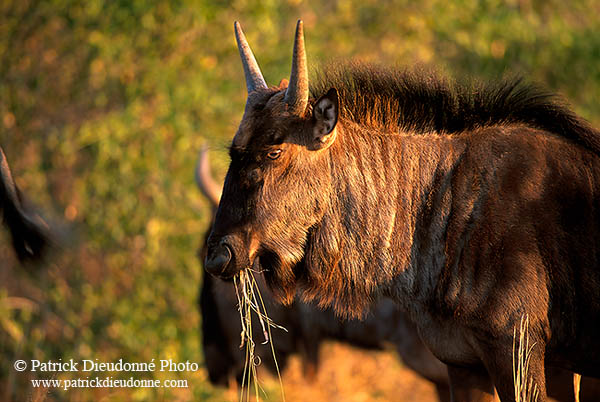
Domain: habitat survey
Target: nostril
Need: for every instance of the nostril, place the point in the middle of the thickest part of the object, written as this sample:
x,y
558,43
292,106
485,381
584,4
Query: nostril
x,y
217,261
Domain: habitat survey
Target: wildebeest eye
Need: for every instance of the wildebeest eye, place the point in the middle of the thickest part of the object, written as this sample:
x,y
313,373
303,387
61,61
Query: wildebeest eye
x,y
274,154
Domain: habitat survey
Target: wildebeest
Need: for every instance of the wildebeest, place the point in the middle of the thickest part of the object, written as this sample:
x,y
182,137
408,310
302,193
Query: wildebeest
x,y
29,232
307,326
470,205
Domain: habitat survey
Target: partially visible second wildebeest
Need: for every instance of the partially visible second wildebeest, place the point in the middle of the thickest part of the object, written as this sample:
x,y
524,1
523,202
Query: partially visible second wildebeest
x,y
307,326
29,232
470,206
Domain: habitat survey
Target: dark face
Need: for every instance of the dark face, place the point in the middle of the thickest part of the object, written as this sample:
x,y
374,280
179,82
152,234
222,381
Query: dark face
x,y
278,181
275,190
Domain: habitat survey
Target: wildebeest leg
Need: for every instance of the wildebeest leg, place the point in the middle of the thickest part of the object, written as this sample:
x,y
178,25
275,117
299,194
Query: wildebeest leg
x,y
443,392
470,385
310,369
500,367
309,348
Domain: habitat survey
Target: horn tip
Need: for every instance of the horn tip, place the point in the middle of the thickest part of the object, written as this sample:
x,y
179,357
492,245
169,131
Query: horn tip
x,y
300,29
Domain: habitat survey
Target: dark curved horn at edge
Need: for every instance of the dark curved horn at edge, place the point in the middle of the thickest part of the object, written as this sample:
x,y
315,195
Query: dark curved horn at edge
x,y
9,185
296,95
29,232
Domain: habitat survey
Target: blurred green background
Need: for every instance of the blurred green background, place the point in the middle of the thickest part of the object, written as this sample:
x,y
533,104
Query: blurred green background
x,y
105,104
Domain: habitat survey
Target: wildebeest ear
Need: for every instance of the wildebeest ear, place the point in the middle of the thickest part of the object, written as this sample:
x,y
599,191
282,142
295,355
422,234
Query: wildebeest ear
x,y
283,84
325,117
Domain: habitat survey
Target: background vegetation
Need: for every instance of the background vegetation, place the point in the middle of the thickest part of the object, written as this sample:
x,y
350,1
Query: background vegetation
x,y
105,104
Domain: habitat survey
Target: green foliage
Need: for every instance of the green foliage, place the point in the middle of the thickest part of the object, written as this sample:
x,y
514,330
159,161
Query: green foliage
x,y
104,105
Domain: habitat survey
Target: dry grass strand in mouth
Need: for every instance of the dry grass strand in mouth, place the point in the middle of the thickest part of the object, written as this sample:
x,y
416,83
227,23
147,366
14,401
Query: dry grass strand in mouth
x,y
250,300
525,389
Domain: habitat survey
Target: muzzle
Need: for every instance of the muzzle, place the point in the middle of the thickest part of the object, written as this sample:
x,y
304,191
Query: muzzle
x,y
226,257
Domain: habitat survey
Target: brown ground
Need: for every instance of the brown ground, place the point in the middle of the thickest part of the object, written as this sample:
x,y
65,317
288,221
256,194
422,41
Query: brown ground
x,y
350,375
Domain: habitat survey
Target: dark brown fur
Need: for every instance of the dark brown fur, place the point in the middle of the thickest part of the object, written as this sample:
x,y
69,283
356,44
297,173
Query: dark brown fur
x,y
309,327
469,205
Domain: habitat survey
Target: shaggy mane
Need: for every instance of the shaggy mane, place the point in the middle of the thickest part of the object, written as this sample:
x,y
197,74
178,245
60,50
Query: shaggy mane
x,y
419,102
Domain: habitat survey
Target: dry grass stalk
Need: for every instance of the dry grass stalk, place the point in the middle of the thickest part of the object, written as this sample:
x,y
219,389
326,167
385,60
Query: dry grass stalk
x,y
250,300
525,389
576,385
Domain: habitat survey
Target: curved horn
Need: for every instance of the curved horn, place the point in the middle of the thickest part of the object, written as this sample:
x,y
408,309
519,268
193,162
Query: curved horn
x,y
254,78
6,181
296,95
209,188
29,231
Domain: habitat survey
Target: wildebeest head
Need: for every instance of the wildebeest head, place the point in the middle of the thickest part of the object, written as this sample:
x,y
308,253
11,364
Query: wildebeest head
x,y
277,186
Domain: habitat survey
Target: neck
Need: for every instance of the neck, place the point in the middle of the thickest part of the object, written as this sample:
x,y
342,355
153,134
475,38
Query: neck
x,y
390,199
